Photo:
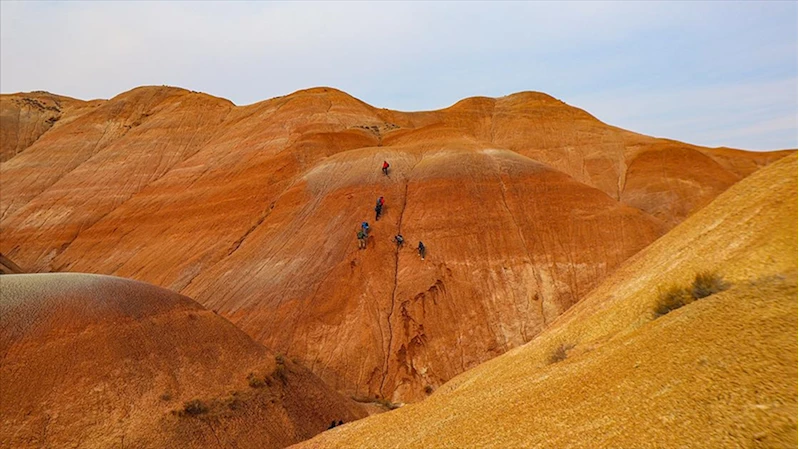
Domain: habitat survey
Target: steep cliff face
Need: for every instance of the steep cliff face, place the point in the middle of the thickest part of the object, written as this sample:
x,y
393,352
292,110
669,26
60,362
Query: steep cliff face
x,y
99,361
609,373
524,203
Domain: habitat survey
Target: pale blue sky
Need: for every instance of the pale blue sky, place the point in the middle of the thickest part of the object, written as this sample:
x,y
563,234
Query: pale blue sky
x,y
715,73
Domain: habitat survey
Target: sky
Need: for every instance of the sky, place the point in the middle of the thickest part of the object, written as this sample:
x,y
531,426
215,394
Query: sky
x,y
709,73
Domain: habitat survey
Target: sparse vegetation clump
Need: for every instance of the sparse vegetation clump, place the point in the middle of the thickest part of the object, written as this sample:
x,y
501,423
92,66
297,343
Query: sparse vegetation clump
x,y
428,389
280,369
672,298
195,407
560,353
708,283
705,283
255,381
166,397
233,402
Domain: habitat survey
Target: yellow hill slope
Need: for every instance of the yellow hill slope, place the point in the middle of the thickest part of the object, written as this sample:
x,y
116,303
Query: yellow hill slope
x,y
719,372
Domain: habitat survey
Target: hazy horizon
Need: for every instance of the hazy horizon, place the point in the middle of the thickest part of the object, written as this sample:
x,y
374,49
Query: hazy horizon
x,y
713,74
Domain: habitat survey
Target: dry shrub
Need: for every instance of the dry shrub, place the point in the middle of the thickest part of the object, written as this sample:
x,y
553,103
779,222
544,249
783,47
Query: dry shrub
x,y
708,283
672,298
280,369
560,354
195,407
234,403
705,283
255,381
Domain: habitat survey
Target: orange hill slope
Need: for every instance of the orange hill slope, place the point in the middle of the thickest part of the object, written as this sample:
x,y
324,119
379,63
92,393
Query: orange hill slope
x,y
98,361
525,204
720,372
8,266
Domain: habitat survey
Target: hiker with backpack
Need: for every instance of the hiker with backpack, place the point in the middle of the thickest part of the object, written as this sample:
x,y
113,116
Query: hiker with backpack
x,y
362,239
379,208
385,168
399,240
422,250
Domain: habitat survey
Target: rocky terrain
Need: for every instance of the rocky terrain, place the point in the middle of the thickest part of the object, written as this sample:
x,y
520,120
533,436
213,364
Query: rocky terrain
x,y
99,361
525,205
618,371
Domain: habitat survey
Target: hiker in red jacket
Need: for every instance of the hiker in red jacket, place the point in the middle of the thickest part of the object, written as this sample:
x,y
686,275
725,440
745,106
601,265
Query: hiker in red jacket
x,y
385,168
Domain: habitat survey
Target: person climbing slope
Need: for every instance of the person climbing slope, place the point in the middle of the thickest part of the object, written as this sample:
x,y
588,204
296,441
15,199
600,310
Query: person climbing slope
x,y
365,227
399,240
422,249
379,208
385,168
361,239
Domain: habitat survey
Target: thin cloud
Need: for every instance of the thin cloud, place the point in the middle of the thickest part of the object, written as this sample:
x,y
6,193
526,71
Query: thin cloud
x,y
692,71
717,115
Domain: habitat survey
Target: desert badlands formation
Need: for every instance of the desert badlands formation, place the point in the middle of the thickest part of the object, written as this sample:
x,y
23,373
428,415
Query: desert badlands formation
x,y
226,303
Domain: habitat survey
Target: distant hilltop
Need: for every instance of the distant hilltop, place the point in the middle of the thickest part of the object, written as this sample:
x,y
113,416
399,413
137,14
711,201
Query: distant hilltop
x,y
524,205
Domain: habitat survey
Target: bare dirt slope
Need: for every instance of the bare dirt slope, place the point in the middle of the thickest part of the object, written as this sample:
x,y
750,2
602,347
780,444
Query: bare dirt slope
x,y
24,118
524,202
8,266
720,372
98,361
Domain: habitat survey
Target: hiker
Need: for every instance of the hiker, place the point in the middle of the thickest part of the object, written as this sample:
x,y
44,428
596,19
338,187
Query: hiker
x,y
365,227
378,208
385,168
421,249
399,240
332,424
362,239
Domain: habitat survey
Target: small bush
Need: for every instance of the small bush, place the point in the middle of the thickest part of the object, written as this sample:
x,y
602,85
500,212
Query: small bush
x,y
708,283
280,373
672,298
166,397
234,403
255,381
280,369
705,283
428,389
560,354
195,407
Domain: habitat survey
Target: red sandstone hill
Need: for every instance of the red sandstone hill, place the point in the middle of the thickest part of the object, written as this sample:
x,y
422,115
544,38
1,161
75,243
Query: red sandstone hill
x,y
524,202
98,361
614,372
